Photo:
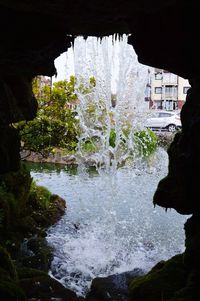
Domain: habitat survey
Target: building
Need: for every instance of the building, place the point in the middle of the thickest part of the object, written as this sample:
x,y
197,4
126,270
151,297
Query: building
x,y
168,90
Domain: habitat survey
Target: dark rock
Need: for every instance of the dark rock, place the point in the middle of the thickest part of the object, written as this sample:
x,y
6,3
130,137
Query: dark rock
x,y
37,255
7,264
180,188
43,287
9,149
114,287
161,283
10,291
192,243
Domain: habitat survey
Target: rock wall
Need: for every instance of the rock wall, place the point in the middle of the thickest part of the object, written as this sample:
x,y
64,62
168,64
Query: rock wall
x,y
34,34
165,34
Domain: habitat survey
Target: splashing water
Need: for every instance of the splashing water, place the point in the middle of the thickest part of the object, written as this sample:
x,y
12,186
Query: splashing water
x,y
110,225
114,66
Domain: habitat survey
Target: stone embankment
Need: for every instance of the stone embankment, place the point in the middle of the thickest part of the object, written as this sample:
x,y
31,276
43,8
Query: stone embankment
x,y
164,140
56,158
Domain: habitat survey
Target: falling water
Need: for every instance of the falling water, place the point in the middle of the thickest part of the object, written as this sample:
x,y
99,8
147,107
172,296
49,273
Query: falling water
x,y
110,225
114,66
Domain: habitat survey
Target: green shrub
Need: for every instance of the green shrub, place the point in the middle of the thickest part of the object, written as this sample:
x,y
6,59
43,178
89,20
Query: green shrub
x,y
146,142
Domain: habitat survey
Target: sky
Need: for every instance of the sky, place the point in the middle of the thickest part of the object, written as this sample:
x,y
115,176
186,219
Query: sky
x,y
64,65
110,60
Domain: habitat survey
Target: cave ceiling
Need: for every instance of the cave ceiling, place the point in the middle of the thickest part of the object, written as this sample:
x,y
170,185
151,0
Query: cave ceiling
x,y
163,33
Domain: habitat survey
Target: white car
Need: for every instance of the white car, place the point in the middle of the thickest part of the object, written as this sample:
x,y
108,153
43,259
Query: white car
x,y
164,120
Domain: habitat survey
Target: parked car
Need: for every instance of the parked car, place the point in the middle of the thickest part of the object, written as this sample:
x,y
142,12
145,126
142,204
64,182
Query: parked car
x,y
164,120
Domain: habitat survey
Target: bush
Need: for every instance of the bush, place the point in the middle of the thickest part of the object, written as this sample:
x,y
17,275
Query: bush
x,y
146,142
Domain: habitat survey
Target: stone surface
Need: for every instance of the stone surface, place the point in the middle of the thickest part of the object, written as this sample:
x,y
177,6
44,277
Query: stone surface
x,y
165,34
180,188
161,283
114,287
9,149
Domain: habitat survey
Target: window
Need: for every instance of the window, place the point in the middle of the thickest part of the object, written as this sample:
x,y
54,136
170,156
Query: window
x,y
170,89
158,75
165,115
158,90
185,89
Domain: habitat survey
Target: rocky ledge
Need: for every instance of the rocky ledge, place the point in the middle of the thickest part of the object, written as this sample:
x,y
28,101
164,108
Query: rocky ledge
x,y
26,212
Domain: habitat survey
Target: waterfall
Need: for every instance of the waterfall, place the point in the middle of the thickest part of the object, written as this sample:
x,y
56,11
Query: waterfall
x,y
114,104
110,225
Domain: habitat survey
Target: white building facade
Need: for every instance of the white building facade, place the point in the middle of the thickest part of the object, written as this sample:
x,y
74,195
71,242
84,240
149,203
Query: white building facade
x,y
168,90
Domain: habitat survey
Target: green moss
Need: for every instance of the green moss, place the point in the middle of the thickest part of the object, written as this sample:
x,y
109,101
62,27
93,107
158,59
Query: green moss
x,y
6,263
14,193
18,184
10,291
191,289
39,196
160,283
27,224
26,210
25,272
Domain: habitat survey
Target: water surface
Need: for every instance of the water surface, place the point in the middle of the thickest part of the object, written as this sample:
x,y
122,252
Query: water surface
x,y
110,225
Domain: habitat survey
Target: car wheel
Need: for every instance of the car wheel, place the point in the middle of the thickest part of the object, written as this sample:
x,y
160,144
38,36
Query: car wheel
x,y
171,128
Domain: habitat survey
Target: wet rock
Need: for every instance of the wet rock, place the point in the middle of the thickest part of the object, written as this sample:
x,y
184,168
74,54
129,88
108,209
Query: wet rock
x,y
180,188
165,139
9,149
163,282
9,286
38,254
39,286
114,287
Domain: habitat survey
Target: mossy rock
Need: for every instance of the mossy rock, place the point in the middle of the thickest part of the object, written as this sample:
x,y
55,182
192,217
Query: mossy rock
x,y
42,219
11,291
27,225
4,274
13,244
38,245
45,288
191,290
39,197
6,263
24,273
161,283
192,242
39,254
40,261
18,184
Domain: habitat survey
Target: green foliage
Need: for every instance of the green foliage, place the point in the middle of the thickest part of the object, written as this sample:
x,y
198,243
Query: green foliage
x,y
55,125
146,142
89,146
112,138
86,87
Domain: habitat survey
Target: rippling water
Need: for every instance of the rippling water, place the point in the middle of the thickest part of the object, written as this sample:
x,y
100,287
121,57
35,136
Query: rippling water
x,y
110,225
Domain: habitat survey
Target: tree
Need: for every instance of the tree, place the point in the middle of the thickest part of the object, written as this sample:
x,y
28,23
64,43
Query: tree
x,y
55,125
